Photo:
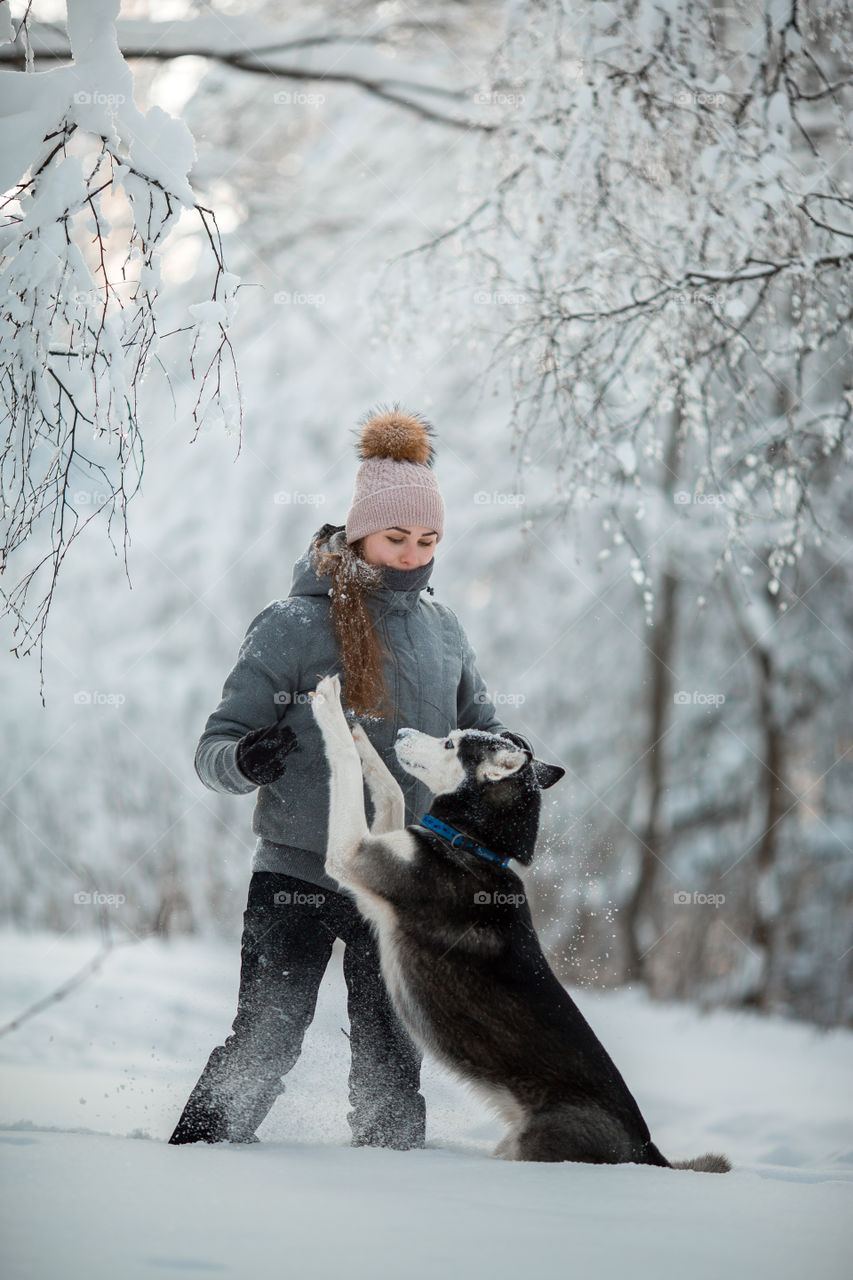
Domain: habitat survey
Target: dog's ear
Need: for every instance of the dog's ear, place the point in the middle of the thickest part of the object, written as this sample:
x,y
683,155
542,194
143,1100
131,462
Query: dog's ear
x,y
502,764
547,774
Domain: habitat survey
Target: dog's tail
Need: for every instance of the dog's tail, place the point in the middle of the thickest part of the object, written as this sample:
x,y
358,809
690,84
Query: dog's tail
x,y
711,1162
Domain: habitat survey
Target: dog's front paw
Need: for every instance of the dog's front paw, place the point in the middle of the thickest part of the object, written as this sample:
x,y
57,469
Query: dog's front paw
x,y
328,692
370,760
328,712
326,701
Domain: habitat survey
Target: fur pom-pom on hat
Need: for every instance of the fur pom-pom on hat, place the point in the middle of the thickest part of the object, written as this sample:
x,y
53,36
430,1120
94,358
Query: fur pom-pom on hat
x,y
398,434
395,485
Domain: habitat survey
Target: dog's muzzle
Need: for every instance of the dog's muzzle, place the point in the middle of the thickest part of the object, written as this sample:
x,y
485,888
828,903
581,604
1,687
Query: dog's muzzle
x,y
405,736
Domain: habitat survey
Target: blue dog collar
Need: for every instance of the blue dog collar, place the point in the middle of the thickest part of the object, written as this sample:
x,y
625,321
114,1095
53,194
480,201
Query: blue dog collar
x,y
458,841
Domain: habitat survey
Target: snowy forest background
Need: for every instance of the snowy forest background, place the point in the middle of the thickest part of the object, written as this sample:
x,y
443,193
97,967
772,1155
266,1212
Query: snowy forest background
x,y
607,249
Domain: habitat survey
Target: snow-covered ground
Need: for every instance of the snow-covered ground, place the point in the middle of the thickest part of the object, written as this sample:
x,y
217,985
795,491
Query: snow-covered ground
x,y
92,1086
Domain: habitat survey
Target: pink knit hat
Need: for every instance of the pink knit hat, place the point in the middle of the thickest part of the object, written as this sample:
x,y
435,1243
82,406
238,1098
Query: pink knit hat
x,y
395,484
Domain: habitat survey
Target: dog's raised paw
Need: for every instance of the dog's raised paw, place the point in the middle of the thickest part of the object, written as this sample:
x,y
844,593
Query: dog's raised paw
x,y
329,713
366,749
326,695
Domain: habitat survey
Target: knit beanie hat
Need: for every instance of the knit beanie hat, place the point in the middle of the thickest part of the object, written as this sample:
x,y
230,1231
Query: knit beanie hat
x,y
395,484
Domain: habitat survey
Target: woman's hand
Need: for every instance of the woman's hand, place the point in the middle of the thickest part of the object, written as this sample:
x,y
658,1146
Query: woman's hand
x,y
261,754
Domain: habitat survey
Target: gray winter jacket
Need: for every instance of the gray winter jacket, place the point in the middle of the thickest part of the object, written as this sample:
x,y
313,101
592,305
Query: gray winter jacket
x,y
431,676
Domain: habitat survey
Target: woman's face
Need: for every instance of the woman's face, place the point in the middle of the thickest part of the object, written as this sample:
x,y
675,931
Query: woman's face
x,y
401,548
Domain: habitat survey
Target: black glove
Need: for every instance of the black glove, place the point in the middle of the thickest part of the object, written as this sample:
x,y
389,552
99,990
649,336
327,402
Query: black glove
x,y
517,740
261,754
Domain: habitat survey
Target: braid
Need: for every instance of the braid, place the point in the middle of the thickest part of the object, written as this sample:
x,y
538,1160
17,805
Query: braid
x,y
359,644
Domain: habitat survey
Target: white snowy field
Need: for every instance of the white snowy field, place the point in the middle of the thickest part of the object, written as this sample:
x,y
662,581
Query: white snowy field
x,y
92,1086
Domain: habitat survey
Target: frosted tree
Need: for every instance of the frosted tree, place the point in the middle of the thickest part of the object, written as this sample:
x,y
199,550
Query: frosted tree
x,y
661,275
92,189
670,249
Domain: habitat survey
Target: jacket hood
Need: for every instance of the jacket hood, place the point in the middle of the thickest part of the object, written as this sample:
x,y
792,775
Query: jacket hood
x,y
307,581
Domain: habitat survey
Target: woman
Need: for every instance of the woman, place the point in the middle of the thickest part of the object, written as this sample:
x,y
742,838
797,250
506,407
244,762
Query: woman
x,y
355,608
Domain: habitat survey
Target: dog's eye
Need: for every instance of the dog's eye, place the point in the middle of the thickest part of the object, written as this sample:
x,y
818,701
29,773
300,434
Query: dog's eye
x,y
448,746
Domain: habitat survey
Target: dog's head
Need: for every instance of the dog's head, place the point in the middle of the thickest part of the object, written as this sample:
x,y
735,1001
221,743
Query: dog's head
x,y
482,779
469,756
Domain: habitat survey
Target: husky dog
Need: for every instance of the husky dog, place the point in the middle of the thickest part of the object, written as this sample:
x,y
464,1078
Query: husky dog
x,y
458,949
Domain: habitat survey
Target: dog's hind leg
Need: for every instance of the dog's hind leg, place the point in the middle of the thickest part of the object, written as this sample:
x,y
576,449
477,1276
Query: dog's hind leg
x,y
507,1148
514,1115
583,1133
385,791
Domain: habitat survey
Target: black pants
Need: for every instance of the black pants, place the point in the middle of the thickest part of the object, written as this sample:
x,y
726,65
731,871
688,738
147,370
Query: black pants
x,y
289,928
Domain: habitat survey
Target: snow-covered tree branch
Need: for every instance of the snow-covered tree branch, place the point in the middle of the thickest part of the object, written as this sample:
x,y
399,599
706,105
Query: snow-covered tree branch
x,y
349,58
92,190
676,215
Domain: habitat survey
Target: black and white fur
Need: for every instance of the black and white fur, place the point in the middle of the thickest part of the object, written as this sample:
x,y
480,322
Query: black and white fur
x,y
459,952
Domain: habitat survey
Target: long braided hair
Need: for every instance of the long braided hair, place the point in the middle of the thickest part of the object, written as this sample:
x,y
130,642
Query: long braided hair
x,y
360,646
